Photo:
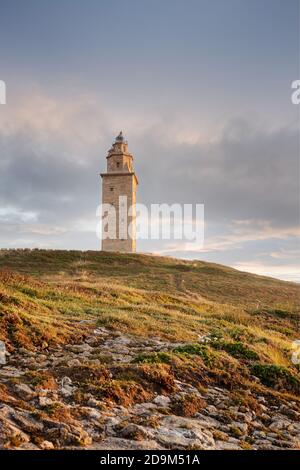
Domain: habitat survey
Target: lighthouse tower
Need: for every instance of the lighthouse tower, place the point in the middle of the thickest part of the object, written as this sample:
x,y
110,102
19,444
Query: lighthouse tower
x,y
119,185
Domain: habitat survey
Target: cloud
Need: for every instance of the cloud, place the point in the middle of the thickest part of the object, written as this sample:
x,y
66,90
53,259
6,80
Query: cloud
x,y
238,238
284,254
247,173
9,214
286,272
52,152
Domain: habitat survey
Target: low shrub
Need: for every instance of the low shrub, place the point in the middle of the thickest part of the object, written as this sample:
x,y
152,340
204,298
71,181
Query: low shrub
x,y
188,405
197,350
237,350
152,358
277,377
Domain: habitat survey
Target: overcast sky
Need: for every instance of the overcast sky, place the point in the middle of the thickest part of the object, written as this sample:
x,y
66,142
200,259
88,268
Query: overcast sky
x,y
202,91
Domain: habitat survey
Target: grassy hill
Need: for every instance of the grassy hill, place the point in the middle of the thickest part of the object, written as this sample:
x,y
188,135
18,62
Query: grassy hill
x,y
249,322
198,355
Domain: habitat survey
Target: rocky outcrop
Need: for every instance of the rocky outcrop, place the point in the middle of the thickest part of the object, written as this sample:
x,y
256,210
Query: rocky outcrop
x,y
3,353
95,395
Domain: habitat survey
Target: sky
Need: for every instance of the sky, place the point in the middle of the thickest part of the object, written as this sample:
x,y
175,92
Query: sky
x,y
202,92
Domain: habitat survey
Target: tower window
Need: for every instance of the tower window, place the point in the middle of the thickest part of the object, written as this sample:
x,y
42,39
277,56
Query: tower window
x,y
111,189
118,164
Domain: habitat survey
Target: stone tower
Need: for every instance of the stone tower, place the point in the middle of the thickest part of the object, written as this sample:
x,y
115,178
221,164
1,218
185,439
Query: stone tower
x,y
119,185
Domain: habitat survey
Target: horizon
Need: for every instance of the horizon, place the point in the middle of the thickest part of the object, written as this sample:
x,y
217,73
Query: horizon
x,y
202,91
156,255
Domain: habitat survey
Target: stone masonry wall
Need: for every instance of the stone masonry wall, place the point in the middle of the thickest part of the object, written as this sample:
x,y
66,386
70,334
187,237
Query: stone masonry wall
x,y
114,186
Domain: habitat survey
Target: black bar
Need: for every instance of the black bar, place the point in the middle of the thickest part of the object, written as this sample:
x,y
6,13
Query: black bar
x,y
143,458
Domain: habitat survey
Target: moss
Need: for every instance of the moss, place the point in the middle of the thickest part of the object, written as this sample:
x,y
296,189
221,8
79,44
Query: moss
x,y
236,432
84,375
58,411
220,435
240,398
152,358
197,350
152,421
279,313
277,377
41,380
237,350
159,377
16,440
245,445
125,393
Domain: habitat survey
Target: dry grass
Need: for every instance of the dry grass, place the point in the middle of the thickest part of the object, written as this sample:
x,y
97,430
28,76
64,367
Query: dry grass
x,y
44,296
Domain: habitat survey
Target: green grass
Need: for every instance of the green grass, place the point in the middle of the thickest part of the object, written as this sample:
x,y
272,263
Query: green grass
x,y
238,350
196,350
152,358
277,377
216,282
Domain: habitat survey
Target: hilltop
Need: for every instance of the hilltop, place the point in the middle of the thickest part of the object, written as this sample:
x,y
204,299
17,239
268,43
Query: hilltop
x,y
125,350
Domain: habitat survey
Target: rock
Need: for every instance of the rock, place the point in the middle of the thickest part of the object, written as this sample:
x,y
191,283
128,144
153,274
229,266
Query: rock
x,y
110,425
28,446
211,409
79,348
45,401
74,362
136,432
286,410
10,372
259,434
223,445
104,425
204,338
3,353
179,432
256,424
144,409
243,427
279,424
101,331
24,391
10,431
91,412
67,389
46,445
116,443
66,434
207,421
25,420
96,403
162,401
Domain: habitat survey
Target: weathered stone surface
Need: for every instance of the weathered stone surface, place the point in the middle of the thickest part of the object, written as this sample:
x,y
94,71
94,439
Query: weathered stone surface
x,y
162,401
46,409
66,388
3,353
133,431
45,401
184,432
46,445
24,391
120,180
116,443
